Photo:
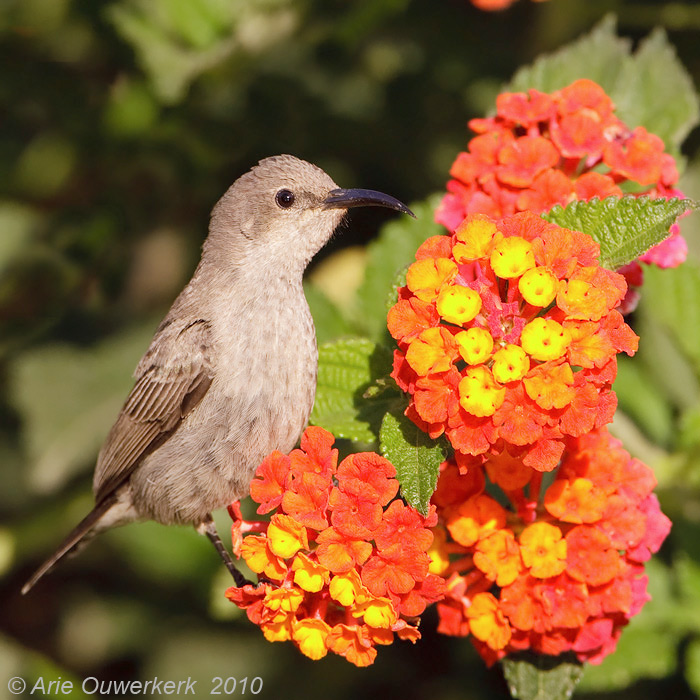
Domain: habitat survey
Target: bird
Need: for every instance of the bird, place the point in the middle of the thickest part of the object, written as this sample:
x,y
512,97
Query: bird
x,y
230,374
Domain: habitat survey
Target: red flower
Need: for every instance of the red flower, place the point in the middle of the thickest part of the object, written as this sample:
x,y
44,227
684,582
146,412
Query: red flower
x,y
556,571
521,340
340,553
395,569
267,487
344,586
546,149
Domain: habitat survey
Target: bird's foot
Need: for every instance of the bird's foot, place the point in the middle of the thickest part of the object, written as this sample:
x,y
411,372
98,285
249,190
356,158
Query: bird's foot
x,y
208,528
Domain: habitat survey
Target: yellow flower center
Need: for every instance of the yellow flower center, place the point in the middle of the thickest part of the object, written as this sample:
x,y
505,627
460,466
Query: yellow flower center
x,y
487,622
278,631
475,345
439,552
538,286
425,277
543,549
510,364
457,304
377,612
283,601
309,575
511,257
479,394
311,636
545,339
347,589
474,236
286,536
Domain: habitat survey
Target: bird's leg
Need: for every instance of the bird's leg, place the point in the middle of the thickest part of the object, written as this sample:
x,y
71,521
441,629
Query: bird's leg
x,y
208,528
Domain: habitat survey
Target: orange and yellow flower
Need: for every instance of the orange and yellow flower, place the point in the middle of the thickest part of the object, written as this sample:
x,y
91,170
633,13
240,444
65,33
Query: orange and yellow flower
x,y
515,343
343,564
545,149
556,570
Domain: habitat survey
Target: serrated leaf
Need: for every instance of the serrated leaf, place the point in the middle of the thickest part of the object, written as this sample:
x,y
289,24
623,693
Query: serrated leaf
x,y
538,677
600,55
415,455
625,227
656,91
346,370
391,251
649,88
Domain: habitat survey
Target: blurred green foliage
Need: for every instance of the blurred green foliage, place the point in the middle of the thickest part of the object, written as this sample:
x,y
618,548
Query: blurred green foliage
x,y
121,123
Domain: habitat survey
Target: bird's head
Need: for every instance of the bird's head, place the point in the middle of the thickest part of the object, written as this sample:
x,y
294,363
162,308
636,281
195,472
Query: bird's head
x,y
286,207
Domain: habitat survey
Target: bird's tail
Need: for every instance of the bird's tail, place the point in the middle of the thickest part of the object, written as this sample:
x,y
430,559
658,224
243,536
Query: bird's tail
x,y
79,536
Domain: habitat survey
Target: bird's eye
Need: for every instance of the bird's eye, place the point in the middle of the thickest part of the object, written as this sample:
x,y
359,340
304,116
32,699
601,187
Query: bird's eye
x,y
284,199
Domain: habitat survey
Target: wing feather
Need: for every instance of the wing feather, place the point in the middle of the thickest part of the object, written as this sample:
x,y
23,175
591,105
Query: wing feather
x,y
172,378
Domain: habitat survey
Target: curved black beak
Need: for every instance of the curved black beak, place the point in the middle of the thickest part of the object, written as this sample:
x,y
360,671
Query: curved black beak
x,y
345,199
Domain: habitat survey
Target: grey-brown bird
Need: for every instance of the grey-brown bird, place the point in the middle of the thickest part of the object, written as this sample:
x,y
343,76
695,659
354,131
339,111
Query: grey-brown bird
x,y
230,374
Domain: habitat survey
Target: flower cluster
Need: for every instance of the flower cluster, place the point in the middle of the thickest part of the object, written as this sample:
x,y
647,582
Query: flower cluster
x,y
508,335
541,150
560,569
342,563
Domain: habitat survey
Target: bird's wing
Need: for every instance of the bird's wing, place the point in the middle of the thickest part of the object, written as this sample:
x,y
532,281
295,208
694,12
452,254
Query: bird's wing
x,y
172,378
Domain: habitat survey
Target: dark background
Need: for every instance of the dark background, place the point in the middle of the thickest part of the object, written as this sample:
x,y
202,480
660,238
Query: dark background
x,y
121,123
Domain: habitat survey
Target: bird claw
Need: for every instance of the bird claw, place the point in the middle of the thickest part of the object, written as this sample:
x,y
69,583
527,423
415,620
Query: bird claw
x,y
207,527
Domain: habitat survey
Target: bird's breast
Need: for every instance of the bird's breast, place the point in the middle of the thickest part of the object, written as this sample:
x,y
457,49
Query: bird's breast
x,y
267,370
260,398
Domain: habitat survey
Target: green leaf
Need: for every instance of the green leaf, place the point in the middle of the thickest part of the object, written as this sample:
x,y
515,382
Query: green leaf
x,y
170,67
655,90
176,41
625,227
692,666
392,250
672,298
131,110
329,320
689,431
640,398
415,455
18,224
349,401
198,22
687,579
649,88
678,384
67,398
538,677
640,653
600,56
